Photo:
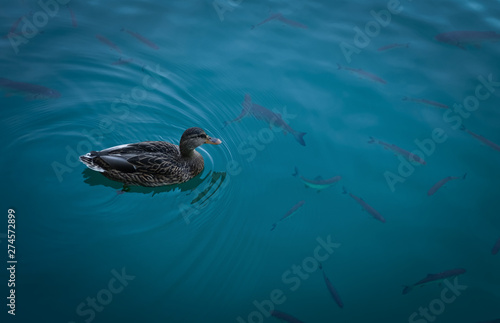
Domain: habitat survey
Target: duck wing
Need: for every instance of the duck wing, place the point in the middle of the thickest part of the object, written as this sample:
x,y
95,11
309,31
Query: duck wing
x,y
147,157
157,164
142,147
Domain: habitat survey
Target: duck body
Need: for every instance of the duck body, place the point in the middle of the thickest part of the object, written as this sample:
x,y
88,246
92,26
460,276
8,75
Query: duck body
x,y
152,163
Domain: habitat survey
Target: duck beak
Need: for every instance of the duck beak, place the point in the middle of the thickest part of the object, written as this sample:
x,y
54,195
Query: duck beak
x,y
213,141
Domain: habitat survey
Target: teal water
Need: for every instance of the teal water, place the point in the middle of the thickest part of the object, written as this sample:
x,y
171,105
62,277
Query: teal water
x,y
203,251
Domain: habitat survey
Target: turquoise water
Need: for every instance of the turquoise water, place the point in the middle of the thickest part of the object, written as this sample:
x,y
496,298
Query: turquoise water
x,y
203,251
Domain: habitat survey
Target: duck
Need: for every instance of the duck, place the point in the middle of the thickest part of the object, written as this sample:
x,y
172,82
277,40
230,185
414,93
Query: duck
x,y
152,163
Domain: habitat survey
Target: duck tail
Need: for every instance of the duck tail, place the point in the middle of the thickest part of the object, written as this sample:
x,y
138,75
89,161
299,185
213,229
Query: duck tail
x,y
88,160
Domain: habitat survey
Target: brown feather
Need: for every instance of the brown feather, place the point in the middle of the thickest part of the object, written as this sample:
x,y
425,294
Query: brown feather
x,y
150,163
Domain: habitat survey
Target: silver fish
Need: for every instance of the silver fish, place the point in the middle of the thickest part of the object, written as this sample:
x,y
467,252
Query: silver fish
x,y
368,208
496,247
285,316
435,278
362,73
428,102
464,38
272,17
392,46
108,42
445,180
141,38
289,213
318,183
408,155
331,289
31,91
481,138
279,16
274,119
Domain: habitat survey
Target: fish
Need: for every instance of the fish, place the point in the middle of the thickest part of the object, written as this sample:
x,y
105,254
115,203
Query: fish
x,y
281,18
15,24
141,38
331,289
274,119
481,138
428,102
466,37
108,42
31,91
445,180
408,155
496,247
289,213
435,278
362,73
318,183
285,316
13,28
291,22
73,18
392,46
272,17
122,61
365,206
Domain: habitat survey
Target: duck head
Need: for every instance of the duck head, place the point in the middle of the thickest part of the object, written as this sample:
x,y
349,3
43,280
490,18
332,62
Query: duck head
x,y
194,137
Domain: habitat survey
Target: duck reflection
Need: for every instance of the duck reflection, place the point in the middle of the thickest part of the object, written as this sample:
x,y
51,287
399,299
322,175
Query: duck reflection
x,y
212,179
